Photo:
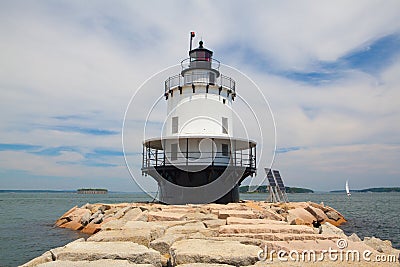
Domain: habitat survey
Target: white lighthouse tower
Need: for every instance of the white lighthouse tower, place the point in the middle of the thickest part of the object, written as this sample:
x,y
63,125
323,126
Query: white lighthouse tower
x,y
198,159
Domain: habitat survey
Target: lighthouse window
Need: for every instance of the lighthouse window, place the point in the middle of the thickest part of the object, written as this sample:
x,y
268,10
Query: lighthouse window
x,y
224,125
225,150
174,151
201,55
174,124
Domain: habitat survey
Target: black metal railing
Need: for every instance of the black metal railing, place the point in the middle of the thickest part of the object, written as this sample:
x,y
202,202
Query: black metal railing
x,y
241,158
200,78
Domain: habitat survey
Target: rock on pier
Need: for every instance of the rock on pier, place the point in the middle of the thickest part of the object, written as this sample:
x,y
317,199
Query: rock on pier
x,y
152,234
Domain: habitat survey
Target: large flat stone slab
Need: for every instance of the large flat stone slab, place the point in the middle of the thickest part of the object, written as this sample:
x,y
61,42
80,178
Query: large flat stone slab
x,y
214,223
168,224
179,209
247,214
317,246
156,229
283,236
166,216
98,263
201,216
113,225
265,228
92,251
230,206
139,236
188,228
211,251
236,220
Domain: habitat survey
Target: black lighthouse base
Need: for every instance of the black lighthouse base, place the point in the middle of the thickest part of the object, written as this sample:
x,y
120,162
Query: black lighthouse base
x,y
205,178
230,197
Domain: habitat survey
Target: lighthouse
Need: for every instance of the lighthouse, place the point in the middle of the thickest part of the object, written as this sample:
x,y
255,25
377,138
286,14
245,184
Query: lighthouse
x,y
197,158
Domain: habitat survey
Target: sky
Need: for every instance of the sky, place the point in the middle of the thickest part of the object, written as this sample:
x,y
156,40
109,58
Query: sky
x,y
330,71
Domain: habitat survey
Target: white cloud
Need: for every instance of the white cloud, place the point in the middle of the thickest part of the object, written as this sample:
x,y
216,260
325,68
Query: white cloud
x,y
296,34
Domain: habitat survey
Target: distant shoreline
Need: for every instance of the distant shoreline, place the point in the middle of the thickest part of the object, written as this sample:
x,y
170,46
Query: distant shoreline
x,y
299,190
57,191
372,190
264,189
36,191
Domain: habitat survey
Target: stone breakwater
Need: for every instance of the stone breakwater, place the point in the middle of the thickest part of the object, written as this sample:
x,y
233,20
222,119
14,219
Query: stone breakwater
x,y
151,234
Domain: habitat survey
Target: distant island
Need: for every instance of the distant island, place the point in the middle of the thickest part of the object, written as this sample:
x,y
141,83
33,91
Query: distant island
x,y
373,190
35,191
263,189
92,191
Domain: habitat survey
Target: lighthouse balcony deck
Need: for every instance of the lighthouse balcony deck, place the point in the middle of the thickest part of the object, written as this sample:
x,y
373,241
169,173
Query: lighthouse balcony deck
x,y
156,158
200,78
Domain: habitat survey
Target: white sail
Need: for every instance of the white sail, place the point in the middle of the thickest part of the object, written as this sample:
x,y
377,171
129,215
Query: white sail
x,y
347,188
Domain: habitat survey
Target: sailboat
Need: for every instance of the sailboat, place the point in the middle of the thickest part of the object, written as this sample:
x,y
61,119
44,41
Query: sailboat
x,y
347,188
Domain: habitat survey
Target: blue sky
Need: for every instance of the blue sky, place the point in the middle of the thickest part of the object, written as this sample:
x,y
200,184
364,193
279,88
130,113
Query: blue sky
x,y
330,71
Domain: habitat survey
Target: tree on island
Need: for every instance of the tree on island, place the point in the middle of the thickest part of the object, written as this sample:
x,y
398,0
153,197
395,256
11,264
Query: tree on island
x,y
264,189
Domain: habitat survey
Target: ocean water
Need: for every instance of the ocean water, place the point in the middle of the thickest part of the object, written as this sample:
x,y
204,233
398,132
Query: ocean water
x,y
27,231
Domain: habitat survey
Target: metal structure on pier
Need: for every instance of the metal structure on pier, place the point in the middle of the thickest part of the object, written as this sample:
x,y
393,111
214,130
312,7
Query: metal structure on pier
x,y
276,187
